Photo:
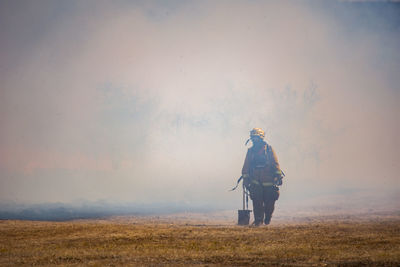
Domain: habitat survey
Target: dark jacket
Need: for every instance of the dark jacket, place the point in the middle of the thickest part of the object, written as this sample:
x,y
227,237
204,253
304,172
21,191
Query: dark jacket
x,y
261,165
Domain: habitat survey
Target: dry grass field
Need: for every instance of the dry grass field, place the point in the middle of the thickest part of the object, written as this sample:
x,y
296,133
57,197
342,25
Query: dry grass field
x,y
191,241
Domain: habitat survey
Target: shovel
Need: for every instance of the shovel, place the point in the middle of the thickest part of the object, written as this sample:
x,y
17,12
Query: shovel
x,y
244,214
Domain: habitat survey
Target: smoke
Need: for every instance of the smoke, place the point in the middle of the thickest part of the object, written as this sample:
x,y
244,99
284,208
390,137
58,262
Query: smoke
x,y
152,101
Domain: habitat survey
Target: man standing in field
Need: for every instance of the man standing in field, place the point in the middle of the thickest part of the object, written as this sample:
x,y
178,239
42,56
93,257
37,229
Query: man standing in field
x,y
261,176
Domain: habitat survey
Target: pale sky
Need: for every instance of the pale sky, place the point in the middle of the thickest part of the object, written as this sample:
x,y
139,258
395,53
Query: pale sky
x,y
152,101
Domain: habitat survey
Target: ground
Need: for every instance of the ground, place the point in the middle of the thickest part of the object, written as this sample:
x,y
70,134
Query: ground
x,y
203,240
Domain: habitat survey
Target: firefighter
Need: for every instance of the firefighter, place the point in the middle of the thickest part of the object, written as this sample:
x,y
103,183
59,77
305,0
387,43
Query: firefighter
x,y
261,176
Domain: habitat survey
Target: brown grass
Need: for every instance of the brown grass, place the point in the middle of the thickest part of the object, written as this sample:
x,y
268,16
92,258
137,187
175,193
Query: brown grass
x,y
158,242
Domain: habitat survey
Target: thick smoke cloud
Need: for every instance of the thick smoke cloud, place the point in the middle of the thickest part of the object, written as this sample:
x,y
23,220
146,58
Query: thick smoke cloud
x,y
152,101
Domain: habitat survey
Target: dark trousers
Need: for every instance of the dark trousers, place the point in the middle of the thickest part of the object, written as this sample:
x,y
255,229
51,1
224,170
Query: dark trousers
x,y
263,198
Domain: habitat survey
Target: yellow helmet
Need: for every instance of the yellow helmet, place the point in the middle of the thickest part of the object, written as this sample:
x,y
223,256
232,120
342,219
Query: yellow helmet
x,y
257,132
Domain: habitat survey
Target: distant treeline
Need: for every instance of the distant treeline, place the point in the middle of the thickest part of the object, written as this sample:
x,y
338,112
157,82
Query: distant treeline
x,y
90,210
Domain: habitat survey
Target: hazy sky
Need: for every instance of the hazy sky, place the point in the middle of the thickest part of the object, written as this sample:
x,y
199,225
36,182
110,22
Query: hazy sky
x,y
152,101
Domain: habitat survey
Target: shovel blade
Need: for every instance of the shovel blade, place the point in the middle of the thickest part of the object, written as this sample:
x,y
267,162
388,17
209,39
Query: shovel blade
x,y
244,217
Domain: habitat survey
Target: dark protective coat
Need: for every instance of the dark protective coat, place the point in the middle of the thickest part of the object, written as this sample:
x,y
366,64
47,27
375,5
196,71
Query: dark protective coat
x,y
261,164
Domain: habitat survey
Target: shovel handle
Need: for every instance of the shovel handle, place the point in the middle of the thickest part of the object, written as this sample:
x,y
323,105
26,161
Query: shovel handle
x,y
244,197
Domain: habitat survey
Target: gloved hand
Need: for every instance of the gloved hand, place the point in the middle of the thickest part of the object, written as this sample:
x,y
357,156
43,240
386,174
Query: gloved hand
x,y
246,181
278,180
